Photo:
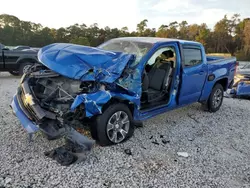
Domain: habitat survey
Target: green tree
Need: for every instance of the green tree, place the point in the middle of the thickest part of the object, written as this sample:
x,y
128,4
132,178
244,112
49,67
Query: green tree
x,y
203,34
162,31
141,27
80,40
246,39
229,35
183,30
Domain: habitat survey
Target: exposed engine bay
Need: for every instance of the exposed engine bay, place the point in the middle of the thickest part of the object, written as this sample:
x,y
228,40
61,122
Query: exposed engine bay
x,y
52,97
56,93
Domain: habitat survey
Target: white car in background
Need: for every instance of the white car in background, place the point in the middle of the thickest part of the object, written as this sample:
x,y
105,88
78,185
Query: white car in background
x,y
244,70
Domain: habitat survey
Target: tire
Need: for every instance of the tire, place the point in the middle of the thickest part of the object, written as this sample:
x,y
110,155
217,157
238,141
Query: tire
x,y
14,73
216,98
24,67
108,120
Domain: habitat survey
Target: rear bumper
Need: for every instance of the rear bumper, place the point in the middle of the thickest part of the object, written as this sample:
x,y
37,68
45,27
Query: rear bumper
x,y
26,123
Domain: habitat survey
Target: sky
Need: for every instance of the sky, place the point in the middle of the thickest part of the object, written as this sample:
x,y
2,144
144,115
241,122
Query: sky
x,y
120,13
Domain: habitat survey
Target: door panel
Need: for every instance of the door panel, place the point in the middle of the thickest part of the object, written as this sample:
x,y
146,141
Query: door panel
x,y
10,58
193,75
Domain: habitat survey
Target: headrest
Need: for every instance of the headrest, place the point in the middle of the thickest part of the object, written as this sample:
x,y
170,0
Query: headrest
x,y
168,53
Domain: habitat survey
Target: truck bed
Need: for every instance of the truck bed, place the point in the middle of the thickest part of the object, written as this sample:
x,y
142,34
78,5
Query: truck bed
x,y
216,59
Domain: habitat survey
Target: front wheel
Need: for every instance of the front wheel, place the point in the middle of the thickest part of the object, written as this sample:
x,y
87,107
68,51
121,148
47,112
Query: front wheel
x,y
114,125
216,98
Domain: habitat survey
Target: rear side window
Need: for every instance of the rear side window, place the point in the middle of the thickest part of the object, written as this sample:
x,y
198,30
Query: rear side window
x,y
192,56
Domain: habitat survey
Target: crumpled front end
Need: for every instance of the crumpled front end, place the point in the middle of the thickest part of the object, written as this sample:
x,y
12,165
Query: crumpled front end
x,y
73,85
43,100
241,87
113,71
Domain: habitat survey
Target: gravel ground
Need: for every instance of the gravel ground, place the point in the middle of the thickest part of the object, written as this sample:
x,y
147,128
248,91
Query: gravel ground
x,y
218,146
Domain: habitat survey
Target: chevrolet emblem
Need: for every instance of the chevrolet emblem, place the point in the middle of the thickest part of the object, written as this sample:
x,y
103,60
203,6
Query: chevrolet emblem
x,y
29,99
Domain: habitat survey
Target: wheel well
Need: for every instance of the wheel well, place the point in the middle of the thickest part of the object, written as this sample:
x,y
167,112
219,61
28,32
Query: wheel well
x,y
117,100
223,82
26,60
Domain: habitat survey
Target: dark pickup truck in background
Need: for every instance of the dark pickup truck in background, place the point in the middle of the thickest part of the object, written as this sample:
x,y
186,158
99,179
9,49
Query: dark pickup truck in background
x,y
16,62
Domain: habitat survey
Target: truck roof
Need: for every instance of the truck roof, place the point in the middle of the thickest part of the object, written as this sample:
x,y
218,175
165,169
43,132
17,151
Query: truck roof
x,y
154,40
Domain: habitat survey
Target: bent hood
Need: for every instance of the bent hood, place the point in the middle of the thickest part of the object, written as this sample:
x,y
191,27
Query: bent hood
x,y
83,62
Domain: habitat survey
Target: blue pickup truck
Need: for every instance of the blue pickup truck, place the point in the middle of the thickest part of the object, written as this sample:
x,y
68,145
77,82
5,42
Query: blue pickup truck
x,y
109,89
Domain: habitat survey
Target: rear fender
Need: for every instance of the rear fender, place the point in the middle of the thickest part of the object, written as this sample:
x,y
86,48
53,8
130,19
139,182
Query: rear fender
x,y
209,86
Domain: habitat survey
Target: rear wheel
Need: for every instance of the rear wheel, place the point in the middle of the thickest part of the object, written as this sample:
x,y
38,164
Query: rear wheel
x,y
114,125
14,73
216,98
24,67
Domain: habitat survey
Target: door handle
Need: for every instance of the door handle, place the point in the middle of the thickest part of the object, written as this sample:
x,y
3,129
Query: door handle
x,y
202,72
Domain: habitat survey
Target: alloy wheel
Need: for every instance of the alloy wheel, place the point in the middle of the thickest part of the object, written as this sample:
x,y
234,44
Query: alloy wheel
x,y
118,127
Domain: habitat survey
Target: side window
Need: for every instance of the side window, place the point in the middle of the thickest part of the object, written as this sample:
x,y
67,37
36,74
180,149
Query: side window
x,y
160,54
192,56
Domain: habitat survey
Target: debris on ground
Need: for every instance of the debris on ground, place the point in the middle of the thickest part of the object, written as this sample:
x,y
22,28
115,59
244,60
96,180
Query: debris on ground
x,y
183,154
155,142
73,151
62,156
165,141
193,118
190,139
128,151
7,180
198,149
78,140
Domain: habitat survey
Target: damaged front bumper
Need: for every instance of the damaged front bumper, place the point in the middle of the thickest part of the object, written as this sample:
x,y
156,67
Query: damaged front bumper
x,y
241,87
33,117
26,123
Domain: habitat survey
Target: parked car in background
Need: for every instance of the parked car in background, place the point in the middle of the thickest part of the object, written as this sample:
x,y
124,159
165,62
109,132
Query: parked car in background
x,y
245,69
21,48
17,61
241,87
32,50
123,81
242,64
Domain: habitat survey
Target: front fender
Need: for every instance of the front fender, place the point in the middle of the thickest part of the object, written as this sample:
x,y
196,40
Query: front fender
x,y
94,102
